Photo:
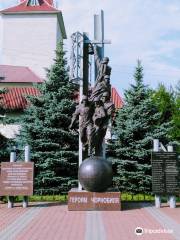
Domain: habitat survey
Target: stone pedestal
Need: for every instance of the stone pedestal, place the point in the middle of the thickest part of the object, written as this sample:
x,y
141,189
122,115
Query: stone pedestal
x,y
81,200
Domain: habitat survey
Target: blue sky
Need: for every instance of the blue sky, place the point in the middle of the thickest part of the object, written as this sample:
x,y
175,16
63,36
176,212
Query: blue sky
x,y
146,30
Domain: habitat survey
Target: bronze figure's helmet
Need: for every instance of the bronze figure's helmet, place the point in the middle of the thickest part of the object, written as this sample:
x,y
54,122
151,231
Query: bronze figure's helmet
x,y
105,60
107,77
96,99
105,94
105,97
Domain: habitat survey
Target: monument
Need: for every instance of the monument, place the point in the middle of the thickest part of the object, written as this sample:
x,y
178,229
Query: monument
x,y
17,178
165,174
94,113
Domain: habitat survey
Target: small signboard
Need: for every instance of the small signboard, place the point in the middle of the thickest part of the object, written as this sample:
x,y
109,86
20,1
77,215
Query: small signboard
x,y
165,173
81,200
16,179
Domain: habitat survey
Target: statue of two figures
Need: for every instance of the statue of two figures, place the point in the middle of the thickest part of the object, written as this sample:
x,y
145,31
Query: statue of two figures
x,y
95,110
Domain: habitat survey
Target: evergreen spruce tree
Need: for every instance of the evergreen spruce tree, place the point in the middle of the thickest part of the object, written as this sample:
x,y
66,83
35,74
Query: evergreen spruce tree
x,y
45,128
136,124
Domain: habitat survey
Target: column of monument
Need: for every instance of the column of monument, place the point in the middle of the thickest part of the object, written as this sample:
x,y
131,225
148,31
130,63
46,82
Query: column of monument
x,y
99,37
12,159
156,149
94,112
172,198
83,91
27,159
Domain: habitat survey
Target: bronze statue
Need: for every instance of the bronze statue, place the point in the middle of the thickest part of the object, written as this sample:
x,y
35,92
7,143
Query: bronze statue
x,y
85,112
102,66
95,174
95,113
109,110
98,120
108,105
101,87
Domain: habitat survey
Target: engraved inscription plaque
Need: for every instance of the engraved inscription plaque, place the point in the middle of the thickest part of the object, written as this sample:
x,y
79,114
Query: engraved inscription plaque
x,y
81,200
165,173
16,179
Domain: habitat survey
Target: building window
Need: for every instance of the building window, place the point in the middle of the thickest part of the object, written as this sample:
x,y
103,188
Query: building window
x,y
33,3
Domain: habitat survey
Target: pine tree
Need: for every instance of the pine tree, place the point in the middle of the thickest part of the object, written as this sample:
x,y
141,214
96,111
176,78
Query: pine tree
x,y
45,128
136,124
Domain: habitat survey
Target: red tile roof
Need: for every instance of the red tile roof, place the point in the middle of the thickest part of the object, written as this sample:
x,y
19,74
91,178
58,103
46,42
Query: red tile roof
x,y
44,6
50,2
15,98
116,99
18,74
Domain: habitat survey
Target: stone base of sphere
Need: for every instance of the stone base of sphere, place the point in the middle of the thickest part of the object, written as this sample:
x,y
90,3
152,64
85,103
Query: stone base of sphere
x,y
95,174
81,200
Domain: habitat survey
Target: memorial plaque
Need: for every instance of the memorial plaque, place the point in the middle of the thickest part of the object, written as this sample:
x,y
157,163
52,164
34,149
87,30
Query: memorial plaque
x,y
16,179
158,173
81,200
172,174
165,173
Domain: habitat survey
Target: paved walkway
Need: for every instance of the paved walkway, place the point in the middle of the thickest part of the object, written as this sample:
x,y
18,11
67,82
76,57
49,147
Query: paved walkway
x,y
55,222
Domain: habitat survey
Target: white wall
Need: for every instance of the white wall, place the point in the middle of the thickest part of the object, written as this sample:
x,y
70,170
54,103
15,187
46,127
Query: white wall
x,y
1,34
29,40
